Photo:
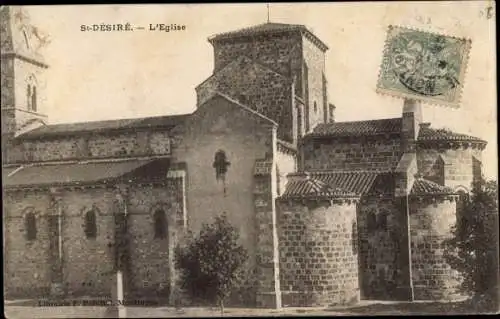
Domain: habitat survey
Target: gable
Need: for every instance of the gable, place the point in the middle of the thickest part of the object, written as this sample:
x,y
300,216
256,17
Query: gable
x,y
222,115
255,86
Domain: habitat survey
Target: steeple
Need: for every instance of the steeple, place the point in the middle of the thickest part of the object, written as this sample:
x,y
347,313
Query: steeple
x,y
19,37
23,72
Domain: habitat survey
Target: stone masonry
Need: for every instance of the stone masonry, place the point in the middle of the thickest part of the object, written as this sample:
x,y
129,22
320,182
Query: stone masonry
x,y
318,252
312,240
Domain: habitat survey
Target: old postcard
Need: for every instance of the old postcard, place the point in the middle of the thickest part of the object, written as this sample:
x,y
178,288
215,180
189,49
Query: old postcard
x,y
249,159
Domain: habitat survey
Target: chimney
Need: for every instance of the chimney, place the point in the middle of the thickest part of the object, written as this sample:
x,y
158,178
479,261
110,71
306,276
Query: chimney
x,y
411,119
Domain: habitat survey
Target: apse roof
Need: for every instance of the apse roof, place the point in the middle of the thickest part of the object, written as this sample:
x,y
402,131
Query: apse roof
x,y
311,187
358,128
427,133
423,186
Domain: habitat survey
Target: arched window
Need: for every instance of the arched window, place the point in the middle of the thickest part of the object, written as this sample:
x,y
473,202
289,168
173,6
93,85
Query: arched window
x,y
31,93
30,224
220,164
90,224
33,99
160,225
315,108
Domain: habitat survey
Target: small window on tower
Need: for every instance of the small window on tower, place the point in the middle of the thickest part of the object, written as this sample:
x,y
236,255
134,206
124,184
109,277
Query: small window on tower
x,y
315,108
28,96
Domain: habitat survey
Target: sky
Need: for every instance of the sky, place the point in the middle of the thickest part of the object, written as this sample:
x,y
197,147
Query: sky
x,y
111,75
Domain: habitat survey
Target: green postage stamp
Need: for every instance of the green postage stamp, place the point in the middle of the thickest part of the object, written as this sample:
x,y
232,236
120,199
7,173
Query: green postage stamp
x,y
424,66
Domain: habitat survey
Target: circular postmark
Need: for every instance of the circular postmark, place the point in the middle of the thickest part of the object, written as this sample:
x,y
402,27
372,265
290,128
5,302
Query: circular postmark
x,y
424,64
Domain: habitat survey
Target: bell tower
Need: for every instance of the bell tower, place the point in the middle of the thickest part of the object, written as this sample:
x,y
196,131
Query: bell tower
x,y
23,101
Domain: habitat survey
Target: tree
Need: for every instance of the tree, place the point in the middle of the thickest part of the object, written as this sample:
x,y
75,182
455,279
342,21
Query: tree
x,y
210,263
473,249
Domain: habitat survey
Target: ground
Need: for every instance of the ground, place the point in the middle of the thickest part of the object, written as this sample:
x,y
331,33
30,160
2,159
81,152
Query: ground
x,y
29,309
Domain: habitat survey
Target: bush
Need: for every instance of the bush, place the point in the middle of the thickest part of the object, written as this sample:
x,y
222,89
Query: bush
x,y
211,262
473,249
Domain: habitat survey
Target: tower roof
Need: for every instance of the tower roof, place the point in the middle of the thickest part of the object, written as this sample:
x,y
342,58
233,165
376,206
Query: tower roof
x,y
269,28
19,37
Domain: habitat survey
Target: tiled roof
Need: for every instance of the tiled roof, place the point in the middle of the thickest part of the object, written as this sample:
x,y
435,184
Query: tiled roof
x,y
310,187
103,126
356,182
82,173
269,27
423,186
427,133
358,128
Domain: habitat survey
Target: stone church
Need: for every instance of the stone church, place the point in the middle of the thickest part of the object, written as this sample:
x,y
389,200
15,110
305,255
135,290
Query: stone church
x,y
330,212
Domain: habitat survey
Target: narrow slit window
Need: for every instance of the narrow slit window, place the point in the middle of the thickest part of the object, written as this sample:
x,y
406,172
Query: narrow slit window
x,y
160,224
28,96
90,225
30,226
33,99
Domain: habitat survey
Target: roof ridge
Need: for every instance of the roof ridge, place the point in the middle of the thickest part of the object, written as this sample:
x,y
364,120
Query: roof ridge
x,y
427,133
117,120
349,172
104,125
359,121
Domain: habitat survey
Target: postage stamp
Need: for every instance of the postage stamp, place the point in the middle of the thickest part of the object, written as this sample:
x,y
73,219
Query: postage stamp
x,y
425,66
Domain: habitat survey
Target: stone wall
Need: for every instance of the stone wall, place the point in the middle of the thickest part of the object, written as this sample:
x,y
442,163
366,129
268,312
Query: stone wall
x,y
16,74
151,257
268,294
456,167
7,85
362,153
88,262
315,60
85,146
279,52
318,253
26,271
254,86
379,241
245,137
431,220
